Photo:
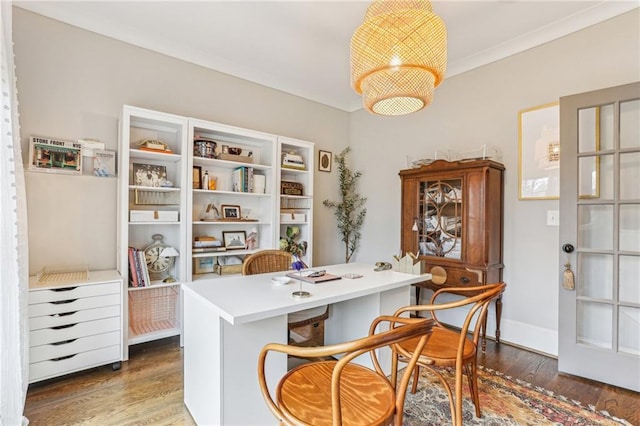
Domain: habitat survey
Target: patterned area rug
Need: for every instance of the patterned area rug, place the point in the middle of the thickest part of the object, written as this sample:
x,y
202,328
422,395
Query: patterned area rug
x,y
503,401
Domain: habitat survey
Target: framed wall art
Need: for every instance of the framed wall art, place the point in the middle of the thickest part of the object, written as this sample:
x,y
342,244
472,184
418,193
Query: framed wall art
x,y
539,152
234,240
324,161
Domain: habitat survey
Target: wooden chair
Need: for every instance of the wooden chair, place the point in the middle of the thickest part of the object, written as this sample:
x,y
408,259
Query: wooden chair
x,y
266,261
342,392
450,347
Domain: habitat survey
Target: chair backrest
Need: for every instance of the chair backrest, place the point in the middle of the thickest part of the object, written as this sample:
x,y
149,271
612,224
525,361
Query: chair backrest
x,y
401,329
479,299
266,261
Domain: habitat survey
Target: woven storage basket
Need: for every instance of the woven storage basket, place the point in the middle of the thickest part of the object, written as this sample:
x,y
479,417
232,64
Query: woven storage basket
x,y
152,309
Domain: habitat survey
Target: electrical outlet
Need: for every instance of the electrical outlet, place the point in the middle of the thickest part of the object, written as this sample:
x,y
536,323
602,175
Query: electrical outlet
x,y
553,218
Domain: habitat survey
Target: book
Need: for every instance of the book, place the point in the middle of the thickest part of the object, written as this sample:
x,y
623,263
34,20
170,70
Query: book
x,y
133,275
104,163
313,280
144,269
208,249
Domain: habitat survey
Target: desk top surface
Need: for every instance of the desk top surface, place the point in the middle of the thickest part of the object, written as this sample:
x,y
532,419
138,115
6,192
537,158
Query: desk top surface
x,y
242,299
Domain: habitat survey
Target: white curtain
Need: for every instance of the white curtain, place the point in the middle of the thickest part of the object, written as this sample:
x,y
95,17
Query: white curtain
x,y
14,261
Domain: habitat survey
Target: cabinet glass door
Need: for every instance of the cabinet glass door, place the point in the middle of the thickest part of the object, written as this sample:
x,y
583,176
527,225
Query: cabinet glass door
x,y
440,218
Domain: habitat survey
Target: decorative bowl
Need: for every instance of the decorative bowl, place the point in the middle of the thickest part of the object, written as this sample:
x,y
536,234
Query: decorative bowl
x,y
280,280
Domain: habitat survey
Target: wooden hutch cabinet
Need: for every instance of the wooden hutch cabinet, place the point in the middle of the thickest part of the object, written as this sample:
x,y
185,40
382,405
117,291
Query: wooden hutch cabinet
x,y
452,217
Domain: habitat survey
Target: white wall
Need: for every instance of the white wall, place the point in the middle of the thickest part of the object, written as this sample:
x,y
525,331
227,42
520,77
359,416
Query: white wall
x,y
479,107
72,84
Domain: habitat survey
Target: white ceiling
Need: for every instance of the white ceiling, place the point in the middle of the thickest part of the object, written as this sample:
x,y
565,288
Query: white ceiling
x,y
302,47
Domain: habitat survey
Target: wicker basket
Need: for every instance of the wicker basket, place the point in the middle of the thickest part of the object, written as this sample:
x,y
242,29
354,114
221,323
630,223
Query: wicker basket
x,y
152,309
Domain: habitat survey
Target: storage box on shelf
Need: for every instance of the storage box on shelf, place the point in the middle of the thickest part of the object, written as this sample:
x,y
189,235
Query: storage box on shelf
x,y
152,176
75,325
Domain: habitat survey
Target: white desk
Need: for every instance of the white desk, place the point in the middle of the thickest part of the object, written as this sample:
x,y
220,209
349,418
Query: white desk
x,y
227,321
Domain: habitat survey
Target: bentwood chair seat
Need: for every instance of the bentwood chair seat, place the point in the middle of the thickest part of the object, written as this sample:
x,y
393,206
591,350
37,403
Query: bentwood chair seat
x,y
448,347
340,392
266,261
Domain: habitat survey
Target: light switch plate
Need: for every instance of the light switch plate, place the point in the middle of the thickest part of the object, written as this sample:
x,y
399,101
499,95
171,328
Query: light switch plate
x,y
553,218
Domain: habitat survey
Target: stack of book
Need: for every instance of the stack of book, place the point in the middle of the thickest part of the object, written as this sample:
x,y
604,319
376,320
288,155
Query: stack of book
x,y
138,271
242,179
207,244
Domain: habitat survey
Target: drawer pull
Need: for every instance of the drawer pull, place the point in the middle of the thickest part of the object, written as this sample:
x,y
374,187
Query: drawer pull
x,y
62,358
62,302
64,342
60,327
63,314
464,280
63,289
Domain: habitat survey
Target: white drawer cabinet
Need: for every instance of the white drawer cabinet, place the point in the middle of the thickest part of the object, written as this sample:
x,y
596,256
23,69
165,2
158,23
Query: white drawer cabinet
x,y
75,325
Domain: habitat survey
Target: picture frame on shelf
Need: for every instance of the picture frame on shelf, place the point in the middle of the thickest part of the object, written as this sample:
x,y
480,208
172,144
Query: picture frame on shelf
x,y
539,152
197,177
55,156
230,211
234,240
203,265
324,161
149,175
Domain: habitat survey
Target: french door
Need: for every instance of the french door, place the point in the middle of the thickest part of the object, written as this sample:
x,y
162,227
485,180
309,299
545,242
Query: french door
x,y
599,330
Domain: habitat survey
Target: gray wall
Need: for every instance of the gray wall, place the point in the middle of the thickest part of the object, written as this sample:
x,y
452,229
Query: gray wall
x,y
481,107
72,84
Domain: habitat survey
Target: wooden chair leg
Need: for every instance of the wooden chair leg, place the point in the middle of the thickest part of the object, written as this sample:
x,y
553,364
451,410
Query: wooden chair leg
x,y
471,371
416,375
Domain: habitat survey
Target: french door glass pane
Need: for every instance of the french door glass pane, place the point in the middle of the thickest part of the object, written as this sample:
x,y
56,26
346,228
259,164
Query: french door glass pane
x,y
594,324
628,276
630,176
606,128
630,227
630,124
595,227
595,129
595,177
595,272
629,330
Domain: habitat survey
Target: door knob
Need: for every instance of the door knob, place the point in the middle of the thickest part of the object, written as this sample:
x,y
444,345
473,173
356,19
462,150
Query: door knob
x,y
567,248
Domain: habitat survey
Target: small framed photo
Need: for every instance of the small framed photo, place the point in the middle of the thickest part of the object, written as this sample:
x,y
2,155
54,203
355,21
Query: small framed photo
x,y
197,177
55,156
324,161
150,175
203,265
230,212
234,240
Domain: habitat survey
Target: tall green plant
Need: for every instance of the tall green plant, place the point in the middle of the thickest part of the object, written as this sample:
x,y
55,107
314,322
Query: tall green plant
x,y
350,211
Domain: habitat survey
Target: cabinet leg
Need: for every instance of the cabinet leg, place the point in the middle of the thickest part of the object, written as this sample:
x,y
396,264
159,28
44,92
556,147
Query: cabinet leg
x,y
116,366
417,298
498,315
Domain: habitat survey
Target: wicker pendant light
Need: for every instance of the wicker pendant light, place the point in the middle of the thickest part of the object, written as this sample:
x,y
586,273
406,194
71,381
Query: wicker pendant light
x,y
398,56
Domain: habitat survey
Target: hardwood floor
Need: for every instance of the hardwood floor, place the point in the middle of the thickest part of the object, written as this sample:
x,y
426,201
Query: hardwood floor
x,y
148,388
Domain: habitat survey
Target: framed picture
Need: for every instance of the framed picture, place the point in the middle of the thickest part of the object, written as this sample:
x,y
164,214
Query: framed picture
x,y
230,212
149,175
55,156
234,240
539,152
197,177
203,265
324,161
